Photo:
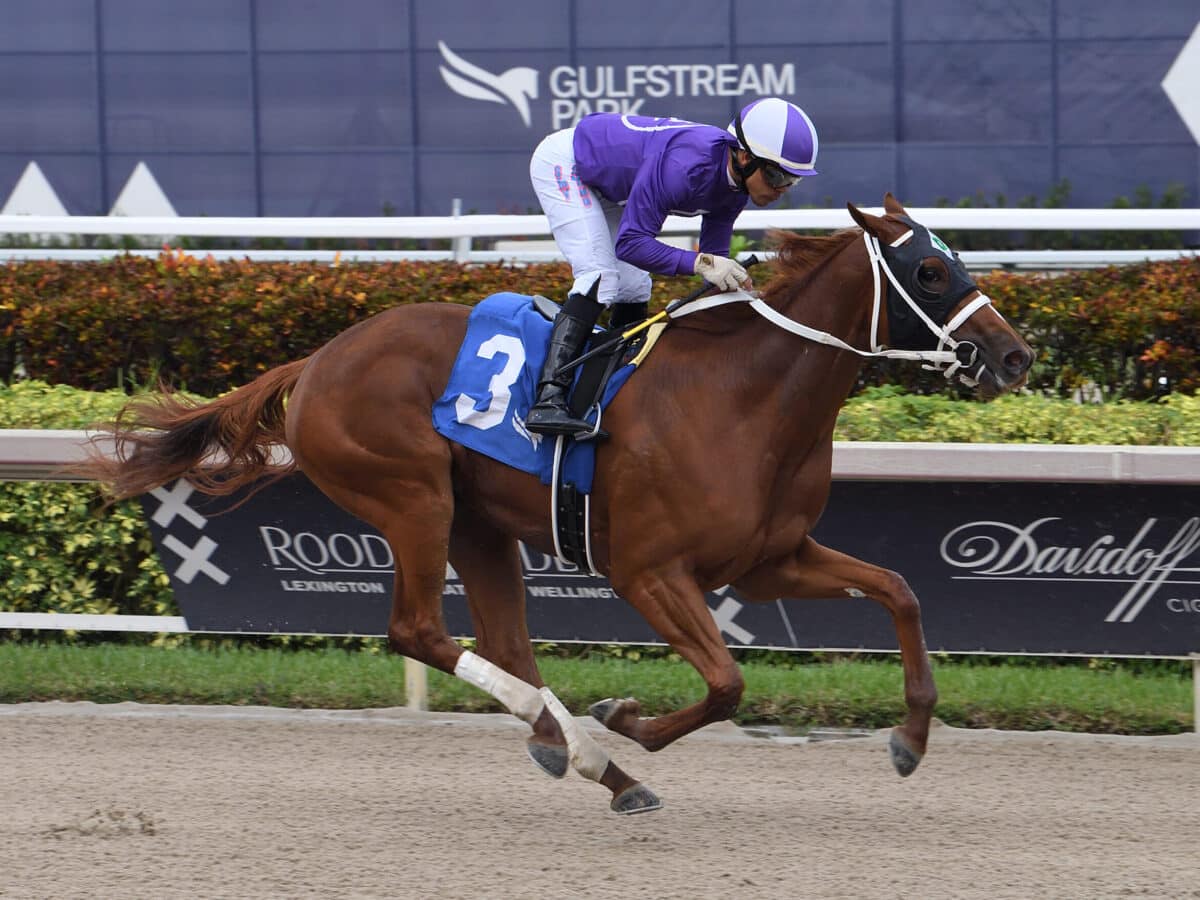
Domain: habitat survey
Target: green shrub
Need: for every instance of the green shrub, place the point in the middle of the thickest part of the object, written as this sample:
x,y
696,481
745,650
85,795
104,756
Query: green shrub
x,y
36,404
62,551
888,414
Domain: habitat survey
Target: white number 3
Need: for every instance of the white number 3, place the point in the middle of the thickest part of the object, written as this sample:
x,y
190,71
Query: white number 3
x,y
500,385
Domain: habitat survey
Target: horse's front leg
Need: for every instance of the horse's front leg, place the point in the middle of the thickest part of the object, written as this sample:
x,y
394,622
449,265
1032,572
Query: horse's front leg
x,y
815,571
674,606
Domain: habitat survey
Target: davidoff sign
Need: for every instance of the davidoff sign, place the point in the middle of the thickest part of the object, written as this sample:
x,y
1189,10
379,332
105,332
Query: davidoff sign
x,y
1151,560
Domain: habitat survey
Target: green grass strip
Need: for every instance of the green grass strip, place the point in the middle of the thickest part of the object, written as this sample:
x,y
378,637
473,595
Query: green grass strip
x,y
860,693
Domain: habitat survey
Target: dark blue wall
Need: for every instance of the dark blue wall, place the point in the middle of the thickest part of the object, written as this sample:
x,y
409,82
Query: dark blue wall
x,y
316,107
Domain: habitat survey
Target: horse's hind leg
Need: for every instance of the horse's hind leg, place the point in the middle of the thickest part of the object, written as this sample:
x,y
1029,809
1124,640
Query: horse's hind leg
x,y
490,567
415,515
816,571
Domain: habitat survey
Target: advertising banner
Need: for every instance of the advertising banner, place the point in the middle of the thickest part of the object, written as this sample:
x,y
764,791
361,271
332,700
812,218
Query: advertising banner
x,y
383,108
1093,569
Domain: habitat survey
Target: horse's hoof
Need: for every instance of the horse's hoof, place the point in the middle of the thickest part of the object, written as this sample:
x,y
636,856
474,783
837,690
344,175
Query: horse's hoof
x,y
553,759
603,710
904,758
635,799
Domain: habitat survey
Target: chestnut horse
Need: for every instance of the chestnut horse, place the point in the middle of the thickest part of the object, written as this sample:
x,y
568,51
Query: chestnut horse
x,y
729,420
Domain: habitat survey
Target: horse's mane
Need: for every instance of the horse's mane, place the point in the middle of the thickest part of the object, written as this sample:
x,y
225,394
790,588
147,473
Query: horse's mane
x,y
800,256
798,259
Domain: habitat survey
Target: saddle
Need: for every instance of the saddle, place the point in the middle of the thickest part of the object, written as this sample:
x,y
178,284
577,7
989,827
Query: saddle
x,y
493,382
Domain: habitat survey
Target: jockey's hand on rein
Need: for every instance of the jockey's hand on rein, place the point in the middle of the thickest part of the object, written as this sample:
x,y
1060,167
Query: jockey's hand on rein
x,y
721,272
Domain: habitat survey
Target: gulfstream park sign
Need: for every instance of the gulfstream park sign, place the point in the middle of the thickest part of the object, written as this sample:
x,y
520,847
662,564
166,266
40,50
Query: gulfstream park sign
x,y
577,91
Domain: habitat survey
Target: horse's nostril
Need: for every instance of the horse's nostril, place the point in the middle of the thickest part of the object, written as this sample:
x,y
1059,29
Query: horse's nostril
x,y
1018,361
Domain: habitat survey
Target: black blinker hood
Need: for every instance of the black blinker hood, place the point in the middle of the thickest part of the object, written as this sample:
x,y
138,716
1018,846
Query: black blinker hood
x,y
906,331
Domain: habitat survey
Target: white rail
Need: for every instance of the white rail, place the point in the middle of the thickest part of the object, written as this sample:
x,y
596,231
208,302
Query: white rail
x,y
40,455
473,226
93,622
464,229
976,260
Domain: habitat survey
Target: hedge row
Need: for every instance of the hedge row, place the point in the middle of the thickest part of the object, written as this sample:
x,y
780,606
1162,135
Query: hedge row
x,y
209,326
1126,332
62,550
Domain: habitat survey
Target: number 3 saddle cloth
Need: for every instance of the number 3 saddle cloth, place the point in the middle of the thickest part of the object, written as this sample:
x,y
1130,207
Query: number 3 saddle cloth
x,y
494,382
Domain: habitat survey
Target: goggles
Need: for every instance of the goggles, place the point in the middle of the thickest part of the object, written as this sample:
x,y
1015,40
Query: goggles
x,y
776,177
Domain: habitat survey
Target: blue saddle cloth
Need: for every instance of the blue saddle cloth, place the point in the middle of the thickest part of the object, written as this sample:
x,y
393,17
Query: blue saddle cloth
x,y
493,384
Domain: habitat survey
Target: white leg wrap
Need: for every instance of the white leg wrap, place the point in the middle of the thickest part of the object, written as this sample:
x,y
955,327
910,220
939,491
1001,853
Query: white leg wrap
x,y
522,699
588,757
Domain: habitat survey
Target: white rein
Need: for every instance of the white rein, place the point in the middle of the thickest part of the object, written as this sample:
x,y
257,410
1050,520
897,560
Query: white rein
x,y
941,360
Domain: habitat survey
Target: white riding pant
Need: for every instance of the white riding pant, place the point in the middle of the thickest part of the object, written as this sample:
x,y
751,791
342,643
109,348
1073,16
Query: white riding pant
x,y
584,224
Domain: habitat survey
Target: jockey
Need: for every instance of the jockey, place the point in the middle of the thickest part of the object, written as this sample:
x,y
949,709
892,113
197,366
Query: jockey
x,y
608,184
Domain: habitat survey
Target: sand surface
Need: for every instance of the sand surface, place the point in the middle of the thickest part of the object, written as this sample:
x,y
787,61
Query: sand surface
x,y
139,801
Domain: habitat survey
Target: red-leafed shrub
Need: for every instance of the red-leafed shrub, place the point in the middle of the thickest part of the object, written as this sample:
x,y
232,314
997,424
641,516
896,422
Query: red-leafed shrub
x,y
1128,331
1122,331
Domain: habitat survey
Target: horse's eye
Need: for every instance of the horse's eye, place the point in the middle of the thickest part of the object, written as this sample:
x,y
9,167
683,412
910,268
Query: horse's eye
x,y
929,276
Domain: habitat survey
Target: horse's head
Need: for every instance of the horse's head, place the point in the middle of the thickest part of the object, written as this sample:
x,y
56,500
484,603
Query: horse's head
x,y
934,304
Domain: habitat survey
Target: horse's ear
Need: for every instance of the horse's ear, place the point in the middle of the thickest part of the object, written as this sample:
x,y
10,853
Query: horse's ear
x,y
866,221
893,206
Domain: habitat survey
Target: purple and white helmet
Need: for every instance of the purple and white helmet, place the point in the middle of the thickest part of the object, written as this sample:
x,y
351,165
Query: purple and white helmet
x,y
778,131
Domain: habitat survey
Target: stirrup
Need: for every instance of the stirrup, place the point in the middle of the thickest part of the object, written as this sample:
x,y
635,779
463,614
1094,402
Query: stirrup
x,y
552,419
559,421
596,433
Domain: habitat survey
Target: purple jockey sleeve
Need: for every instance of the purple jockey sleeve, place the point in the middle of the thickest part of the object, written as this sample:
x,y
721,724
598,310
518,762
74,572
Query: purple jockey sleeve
x,y
660,167
716,234
646,208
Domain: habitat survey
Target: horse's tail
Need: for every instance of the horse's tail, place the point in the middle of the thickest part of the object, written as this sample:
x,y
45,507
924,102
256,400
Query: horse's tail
x,y
219,446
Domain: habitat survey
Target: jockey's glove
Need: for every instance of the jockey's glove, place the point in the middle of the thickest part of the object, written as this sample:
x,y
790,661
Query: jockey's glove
x,y
720,271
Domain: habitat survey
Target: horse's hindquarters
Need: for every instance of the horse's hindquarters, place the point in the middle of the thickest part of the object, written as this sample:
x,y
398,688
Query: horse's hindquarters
x,y
361,409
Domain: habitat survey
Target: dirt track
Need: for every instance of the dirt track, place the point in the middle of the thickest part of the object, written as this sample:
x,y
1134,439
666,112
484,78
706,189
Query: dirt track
x,y
158,802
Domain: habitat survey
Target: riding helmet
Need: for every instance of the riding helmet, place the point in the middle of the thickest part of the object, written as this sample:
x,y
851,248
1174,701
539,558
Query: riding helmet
x,y
778,131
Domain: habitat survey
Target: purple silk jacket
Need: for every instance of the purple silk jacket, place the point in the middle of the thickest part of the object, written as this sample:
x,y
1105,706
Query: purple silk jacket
x,y
656,168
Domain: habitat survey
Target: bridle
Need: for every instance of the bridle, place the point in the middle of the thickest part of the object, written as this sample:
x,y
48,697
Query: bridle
x,y
950,357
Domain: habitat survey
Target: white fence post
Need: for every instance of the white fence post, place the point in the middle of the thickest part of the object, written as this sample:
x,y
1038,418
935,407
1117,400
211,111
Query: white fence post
x,y
1196,693
462,245
416,689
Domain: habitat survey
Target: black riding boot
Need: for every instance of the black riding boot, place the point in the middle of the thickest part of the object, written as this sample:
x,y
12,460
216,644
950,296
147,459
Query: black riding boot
x,y
623,315
573,325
